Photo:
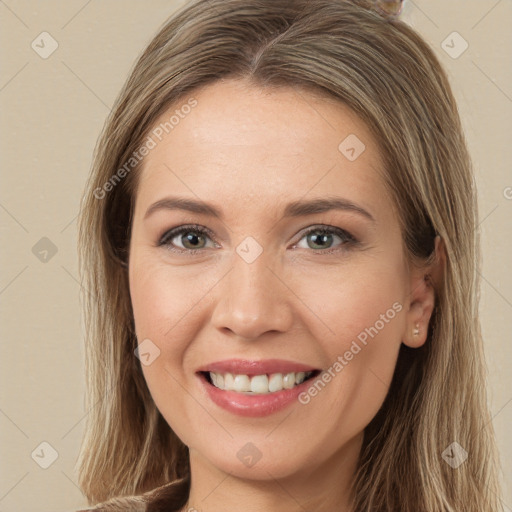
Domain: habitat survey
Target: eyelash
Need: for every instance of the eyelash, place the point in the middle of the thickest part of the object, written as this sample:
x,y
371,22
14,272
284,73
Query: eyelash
x,y
348,240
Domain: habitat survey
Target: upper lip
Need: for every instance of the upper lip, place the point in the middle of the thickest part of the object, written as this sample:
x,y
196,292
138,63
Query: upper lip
x,y
251,367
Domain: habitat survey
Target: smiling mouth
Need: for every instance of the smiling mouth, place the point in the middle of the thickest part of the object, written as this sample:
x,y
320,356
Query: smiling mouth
x,y
264,384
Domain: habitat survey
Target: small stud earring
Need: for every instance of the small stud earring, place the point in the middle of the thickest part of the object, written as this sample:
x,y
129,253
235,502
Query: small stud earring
x,y
416,330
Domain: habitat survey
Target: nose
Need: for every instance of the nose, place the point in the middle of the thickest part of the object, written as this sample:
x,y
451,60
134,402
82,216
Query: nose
x,y
253,300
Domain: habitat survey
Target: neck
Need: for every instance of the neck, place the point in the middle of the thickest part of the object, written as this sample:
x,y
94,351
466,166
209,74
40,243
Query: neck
x,y
323,487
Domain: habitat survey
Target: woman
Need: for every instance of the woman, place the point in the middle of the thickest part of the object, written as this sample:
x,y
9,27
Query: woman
x,y
279,245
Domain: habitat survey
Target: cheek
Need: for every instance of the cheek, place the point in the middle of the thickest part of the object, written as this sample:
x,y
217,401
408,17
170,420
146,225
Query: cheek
x,y
361,316
360,303
165,307
154,301
163,310
169,309
164,299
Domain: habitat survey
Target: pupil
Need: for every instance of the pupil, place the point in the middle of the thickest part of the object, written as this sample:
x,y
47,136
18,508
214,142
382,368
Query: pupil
x,y
192,238
321,237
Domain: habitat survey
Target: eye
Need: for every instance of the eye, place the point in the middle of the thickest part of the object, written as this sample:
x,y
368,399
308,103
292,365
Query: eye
x,y
321,238
192,239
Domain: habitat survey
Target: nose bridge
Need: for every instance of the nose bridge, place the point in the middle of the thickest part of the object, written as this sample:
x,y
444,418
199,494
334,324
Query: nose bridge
x,y
252,299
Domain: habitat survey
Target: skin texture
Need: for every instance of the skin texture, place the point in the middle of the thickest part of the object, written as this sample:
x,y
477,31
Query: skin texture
x,y
250,152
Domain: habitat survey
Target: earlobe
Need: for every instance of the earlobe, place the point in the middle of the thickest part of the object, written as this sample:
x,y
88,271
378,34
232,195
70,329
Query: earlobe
x,y
418,318
423,297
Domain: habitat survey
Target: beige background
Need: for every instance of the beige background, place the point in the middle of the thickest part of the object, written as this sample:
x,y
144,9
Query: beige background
x,y
53,110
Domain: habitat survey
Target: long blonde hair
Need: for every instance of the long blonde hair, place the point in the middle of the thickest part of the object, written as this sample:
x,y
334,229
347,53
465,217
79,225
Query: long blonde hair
x,y
385,72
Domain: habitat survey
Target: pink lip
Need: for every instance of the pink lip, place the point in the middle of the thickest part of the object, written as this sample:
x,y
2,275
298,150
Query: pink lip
x,y
250,368
253,405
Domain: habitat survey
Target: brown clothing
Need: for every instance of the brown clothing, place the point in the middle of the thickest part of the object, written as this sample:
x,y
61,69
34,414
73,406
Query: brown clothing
x,y
167,498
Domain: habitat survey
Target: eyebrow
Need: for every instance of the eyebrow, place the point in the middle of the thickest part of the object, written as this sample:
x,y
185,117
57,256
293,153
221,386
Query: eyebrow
x,y
293,209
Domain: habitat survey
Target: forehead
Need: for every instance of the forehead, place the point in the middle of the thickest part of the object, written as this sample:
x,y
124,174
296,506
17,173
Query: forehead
x,y
240,141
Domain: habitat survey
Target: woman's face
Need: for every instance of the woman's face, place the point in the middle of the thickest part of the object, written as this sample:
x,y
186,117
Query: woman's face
x,y
255,299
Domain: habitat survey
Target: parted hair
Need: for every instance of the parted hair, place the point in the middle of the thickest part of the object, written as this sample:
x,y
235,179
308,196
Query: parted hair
x,y
377,65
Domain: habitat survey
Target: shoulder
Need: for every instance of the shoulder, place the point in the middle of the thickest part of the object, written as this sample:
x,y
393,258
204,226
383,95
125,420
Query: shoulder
x,y
169,498
128,503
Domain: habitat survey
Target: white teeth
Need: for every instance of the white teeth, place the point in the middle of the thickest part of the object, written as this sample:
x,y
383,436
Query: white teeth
x,y
258,383
275,382
229,380
299,377
242,383
289,381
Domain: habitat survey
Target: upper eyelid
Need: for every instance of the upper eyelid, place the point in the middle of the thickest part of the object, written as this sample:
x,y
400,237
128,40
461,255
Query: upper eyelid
x,y
178,229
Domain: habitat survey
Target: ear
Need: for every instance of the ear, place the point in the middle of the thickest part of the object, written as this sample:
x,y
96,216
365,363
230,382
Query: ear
x,y
422,297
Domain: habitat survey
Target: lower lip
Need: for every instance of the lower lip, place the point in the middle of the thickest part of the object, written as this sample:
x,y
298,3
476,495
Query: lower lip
x,y
253,405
